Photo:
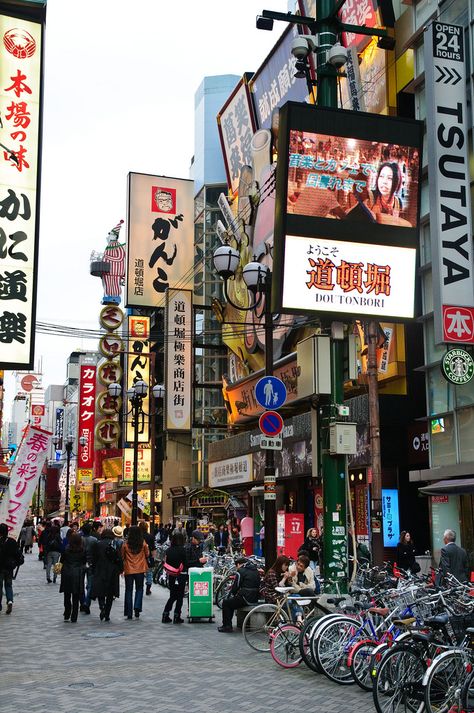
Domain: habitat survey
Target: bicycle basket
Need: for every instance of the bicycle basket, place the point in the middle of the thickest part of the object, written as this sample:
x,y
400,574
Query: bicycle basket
x,y
459,624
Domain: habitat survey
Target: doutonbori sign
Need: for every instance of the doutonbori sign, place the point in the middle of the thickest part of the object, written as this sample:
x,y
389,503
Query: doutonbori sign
x,y
457,366
450,201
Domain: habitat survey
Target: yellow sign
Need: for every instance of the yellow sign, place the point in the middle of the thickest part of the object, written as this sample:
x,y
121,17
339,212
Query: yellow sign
x,y
112,468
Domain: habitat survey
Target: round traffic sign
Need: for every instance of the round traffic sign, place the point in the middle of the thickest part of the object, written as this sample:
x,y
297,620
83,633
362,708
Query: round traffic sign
x,y
270,392
271,423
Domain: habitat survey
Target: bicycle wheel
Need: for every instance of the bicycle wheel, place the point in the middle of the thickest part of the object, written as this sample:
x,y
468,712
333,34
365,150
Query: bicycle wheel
x,y
467,694
308,631
259,624
157,570
223,590
397,686
284,645
359,663
331,647
444,680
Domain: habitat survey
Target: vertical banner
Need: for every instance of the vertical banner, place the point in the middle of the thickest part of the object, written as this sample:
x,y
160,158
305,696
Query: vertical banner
x,y
24,477
449,181
160,237
138,369
86,416
20,111
391,520
59,431
179,357
236,127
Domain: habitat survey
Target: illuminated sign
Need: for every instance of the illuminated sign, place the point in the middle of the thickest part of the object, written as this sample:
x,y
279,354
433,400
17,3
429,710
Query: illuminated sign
x,y
391,520
160,237
236,128
86,415
138,369
178,359
144,464
20,110
336,277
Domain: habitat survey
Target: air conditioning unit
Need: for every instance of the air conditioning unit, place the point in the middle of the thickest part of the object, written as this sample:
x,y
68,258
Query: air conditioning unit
x,y
342,439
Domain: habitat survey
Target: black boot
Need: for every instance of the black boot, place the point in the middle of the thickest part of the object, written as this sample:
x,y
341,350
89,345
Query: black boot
x,y
165,619
177,619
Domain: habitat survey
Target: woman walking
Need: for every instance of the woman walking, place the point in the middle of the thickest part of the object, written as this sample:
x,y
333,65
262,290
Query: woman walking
x,y
73,561
406,553
135,555
52,551
107,566
175,565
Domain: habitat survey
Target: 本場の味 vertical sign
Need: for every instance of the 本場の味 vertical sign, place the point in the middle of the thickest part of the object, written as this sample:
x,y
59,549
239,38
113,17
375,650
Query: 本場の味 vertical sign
x,y
178,346
449,181
86,415
20,111
138,369
160,237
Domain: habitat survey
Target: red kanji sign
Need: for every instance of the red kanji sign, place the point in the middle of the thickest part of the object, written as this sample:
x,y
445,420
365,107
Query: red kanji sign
x,y
458,324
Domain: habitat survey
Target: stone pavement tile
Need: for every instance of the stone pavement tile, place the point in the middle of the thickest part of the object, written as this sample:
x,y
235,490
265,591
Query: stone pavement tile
x,y
47,665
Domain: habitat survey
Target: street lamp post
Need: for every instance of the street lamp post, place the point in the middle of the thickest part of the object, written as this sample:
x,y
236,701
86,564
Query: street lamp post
x,y
258,279
136,395
69,454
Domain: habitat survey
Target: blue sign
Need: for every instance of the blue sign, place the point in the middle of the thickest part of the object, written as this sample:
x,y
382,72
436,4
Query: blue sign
x,y
270,392
271,423
390,516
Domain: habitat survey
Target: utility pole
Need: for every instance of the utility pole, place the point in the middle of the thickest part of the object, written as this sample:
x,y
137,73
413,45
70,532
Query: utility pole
x,y
374,432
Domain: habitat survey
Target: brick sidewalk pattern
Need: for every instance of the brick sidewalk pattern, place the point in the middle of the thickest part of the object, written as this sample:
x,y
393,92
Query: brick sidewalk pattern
x,y
51,666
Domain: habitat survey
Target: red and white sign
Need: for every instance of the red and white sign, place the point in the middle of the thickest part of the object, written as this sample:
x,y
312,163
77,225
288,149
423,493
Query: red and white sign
x,y
102,492
358,12
24,477
270,423
87,388
458,324
163,200
201,589
440,499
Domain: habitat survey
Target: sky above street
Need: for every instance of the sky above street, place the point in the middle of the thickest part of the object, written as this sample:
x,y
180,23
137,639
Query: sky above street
x,y
120,79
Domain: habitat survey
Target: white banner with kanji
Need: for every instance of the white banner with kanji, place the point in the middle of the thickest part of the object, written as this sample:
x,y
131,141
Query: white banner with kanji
x,y
24,477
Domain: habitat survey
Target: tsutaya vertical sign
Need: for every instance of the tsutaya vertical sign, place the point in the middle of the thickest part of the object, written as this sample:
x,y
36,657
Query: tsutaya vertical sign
x,y
450,202
86,414
138,369
178,346
20,111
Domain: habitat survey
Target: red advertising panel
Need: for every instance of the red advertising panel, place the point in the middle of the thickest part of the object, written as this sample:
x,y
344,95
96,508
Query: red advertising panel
x,y
358,12
86,415
294,533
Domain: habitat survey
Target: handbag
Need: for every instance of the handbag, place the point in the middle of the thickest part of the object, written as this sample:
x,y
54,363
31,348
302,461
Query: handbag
x,y
57,567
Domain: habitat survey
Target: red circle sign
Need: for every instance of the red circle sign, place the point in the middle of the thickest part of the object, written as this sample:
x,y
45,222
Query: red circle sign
x,y
271,423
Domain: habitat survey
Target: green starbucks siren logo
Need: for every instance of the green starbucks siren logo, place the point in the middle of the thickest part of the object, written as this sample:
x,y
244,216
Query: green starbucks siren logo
x,y
457,366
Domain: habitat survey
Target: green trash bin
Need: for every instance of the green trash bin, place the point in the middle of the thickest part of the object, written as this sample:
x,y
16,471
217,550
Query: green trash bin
x,y
200,593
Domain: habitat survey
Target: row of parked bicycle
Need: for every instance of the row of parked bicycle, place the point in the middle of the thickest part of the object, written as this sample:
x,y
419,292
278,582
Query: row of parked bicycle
x,y
407,641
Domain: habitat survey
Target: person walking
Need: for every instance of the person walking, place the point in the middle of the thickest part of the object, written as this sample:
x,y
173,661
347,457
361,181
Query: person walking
x,y
176,566
135,554
10,558
406,553
107,566
73,561
52,548
42,540
89,540
118,536
150,541
453,559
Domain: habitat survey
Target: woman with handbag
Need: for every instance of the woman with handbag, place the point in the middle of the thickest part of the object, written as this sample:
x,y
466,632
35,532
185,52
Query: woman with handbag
x,y
135,554
176,565
72,567
107,565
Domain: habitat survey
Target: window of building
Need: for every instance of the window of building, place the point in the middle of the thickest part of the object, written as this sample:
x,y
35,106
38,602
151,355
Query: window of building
x,y
443,441
440,392
465,421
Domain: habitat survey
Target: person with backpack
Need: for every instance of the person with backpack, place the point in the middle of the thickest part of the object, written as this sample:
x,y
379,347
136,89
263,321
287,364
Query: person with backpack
x,y
107,566
52,547
135,555
10,558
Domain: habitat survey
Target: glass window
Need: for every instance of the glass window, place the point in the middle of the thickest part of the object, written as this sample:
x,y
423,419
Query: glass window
x,y
465,395
433,352
423,10
427,291
443,445
454,11
440,392
425,198
420,103
419,60
465,419
425,244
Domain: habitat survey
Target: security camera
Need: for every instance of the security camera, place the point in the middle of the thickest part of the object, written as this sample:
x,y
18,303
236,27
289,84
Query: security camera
x,y
300,47
337,56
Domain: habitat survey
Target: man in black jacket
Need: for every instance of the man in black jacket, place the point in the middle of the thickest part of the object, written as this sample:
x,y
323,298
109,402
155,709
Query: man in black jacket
x,y
9,559
453,559
244,591
194,550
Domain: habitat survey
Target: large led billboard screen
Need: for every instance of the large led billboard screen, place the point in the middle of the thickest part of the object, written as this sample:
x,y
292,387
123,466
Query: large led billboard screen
x,y
347,212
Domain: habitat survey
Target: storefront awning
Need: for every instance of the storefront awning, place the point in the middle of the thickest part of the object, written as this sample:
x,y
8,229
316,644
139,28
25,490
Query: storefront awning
x,y
454,486
235,503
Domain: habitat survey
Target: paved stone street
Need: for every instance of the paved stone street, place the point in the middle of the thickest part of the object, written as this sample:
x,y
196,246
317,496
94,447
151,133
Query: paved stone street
x,y
50,665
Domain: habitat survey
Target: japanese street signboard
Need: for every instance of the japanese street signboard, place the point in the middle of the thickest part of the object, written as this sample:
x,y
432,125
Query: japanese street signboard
x,y
20,111
144,464
457,366
358,12
449,183
269,443
24,476
274,83
59,430
269,487
270,392
236,126
231,471
178,359
86,414
390,518
270,423
160,237
138,369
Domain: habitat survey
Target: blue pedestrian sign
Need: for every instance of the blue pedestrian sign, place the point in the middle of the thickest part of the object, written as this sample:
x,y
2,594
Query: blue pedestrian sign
x,y
270,392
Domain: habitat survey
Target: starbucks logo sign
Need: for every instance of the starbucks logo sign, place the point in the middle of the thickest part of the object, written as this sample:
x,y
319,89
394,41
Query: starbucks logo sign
x,y
457,366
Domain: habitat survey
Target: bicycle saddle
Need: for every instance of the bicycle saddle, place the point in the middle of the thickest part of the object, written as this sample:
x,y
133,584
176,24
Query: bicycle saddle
x,y
335,600
381,611
283,590
303,602
436,622
422,636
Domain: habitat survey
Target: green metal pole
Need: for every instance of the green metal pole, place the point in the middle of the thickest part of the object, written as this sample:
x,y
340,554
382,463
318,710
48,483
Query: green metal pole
x,y
333,467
